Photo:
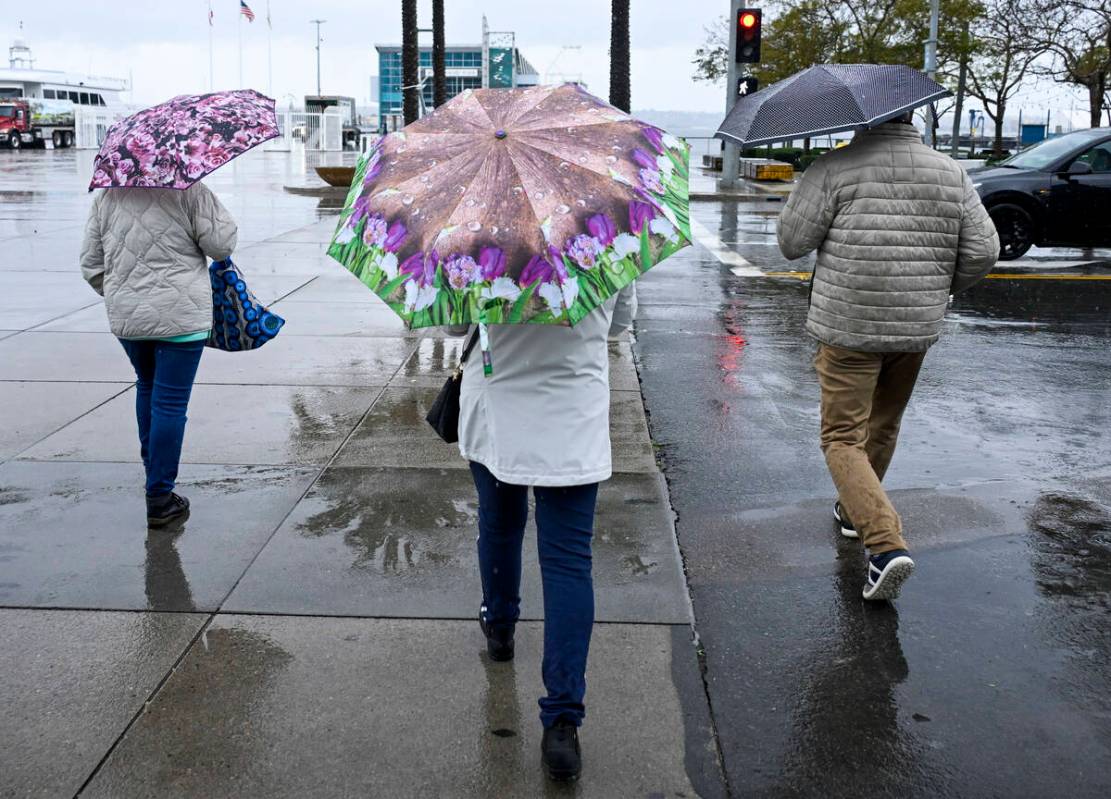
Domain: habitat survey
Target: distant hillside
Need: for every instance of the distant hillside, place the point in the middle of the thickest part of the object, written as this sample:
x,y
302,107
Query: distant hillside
x,y
687,123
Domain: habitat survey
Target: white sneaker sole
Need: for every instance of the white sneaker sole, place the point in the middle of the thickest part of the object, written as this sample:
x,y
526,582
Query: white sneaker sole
x,y
891,579
848,532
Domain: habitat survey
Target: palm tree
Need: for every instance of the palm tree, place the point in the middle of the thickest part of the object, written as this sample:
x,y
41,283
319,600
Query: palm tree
x,y
620,90
410,60
439,73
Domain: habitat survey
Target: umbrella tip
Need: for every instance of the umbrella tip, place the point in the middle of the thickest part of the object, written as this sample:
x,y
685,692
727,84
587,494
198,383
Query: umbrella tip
x,y
499,134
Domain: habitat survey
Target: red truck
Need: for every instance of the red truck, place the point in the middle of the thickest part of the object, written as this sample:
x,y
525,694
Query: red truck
x,y
32,123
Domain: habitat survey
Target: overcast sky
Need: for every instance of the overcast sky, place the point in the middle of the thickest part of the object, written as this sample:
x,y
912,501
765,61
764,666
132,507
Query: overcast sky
x,y
163,44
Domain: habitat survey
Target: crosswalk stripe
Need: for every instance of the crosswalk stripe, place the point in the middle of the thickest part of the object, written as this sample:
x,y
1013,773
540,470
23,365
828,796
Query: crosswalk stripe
x,y
739,266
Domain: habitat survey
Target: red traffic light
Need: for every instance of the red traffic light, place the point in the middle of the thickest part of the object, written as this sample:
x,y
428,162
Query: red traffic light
x,y
748,35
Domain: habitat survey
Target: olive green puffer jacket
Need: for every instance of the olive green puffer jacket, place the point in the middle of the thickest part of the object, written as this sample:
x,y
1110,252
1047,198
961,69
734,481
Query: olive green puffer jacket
x,y
898,227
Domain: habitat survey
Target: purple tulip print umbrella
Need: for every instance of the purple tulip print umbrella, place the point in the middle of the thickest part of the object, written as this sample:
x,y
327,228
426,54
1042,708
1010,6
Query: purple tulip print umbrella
x,y
175,144
514,206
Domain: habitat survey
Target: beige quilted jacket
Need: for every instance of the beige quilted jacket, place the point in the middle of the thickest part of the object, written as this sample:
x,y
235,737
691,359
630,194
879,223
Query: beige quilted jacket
x,y
898,227
146,252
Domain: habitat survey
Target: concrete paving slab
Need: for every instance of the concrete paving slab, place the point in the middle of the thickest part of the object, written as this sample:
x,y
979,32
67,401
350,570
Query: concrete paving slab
x,y
75,534
341,286
32,411
56,252
71,682
17,228
298,707
435,358
388,542
77,357
317,233
341,319
31,298
90,319
630,441
282,250
623,370
228,424
396,433
309,361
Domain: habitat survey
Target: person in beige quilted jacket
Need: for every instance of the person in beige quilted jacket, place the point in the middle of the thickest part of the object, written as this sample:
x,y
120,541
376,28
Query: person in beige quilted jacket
x,y
146,252
898,228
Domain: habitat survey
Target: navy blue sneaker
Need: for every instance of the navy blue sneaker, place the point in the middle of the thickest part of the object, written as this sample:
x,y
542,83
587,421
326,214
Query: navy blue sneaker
x,y
842,518
887,573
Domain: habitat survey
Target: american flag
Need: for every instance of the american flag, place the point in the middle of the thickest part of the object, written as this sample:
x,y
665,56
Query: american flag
x,y
246,11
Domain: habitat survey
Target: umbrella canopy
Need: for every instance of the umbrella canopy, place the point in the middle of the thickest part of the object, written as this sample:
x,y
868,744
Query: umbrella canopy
x,y
828,98
175,144
513,205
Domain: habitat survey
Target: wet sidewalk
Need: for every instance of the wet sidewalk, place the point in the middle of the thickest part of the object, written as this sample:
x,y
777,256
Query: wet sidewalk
x,y
310,630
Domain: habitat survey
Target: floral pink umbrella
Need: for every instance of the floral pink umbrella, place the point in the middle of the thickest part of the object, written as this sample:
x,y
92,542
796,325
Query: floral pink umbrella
x,y
509,206
175,144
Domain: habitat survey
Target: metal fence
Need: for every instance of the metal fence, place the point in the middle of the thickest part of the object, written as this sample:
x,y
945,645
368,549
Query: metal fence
x,y
308,131
91,125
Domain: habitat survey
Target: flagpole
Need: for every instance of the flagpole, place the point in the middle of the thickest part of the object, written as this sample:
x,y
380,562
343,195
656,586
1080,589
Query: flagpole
x,y
240,29
269,52
211,67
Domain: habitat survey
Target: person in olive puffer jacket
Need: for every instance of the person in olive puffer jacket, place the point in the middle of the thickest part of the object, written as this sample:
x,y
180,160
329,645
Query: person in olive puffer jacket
x,y
146,252
898,228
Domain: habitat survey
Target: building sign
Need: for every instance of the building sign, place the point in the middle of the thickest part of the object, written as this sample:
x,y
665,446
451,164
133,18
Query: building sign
x,y
501,68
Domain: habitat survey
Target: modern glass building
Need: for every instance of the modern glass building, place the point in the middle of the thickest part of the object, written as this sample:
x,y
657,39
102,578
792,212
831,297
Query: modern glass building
x,y
465,70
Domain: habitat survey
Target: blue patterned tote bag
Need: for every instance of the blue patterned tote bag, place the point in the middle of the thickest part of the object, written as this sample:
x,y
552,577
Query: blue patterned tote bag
x,y
239,321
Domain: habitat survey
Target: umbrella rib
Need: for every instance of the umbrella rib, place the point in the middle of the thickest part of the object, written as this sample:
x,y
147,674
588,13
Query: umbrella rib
x,y
458,202
563,160
520,182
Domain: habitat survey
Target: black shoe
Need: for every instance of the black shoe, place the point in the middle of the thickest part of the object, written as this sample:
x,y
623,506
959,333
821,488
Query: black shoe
x,y
560,751
842,518
499,638
886,574
166,510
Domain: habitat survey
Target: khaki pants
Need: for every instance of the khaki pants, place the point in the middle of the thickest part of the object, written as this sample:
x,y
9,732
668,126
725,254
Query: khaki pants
x,y
864,395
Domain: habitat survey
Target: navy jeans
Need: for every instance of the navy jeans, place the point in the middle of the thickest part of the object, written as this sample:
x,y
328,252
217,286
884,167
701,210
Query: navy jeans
x,y
165,373
565,526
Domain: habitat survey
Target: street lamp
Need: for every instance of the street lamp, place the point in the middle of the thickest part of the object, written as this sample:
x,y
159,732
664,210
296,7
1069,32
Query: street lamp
x,y
317,23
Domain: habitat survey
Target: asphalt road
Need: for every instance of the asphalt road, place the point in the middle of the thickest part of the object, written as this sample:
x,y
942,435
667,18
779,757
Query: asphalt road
x,y
990,676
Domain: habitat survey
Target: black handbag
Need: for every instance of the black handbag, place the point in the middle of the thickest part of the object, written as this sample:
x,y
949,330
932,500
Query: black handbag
x,y
444,414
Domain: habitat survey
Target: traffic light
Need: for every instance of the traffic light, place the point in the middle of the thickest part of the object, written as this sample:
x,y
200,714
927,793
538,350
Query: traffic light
x,y
748,35
747,85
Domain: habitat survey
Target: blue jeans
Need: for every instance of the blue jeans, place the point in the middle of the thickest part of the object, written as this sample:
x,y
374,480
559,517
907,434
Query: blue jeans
x,y
565,526
165,373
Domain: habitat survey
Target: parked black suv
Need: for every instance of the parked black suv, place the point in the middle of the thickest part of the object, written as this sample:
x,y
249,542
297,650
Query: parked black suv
x,y
1056,192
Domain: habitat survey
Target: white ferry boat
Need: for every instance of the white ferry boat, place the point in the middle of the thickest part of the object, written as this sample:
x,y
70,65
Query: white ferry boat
x,y
22,79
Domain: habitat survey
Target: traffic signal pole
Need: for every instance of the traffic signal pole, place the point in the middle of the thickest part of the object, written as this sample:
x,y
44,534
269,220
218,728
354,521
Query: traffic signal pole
x,y
731,157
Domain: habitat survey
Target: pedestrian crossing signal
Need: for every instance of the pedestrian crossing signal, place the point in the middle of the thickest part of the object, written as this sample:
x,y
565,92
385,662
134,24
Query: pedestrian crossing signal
x,y
747,86
749,22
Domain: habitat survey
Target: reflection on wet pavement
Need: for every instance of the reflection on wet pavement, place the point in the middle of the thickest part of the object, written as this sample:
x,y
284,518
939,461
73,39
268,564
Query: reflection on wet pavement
x,y
1071,540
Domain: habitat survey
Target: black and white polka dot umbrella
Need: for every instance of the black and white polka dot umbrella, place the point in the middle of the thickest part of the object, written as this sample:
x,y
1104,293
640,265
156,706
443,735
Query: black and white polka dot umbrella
x,y
828,98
